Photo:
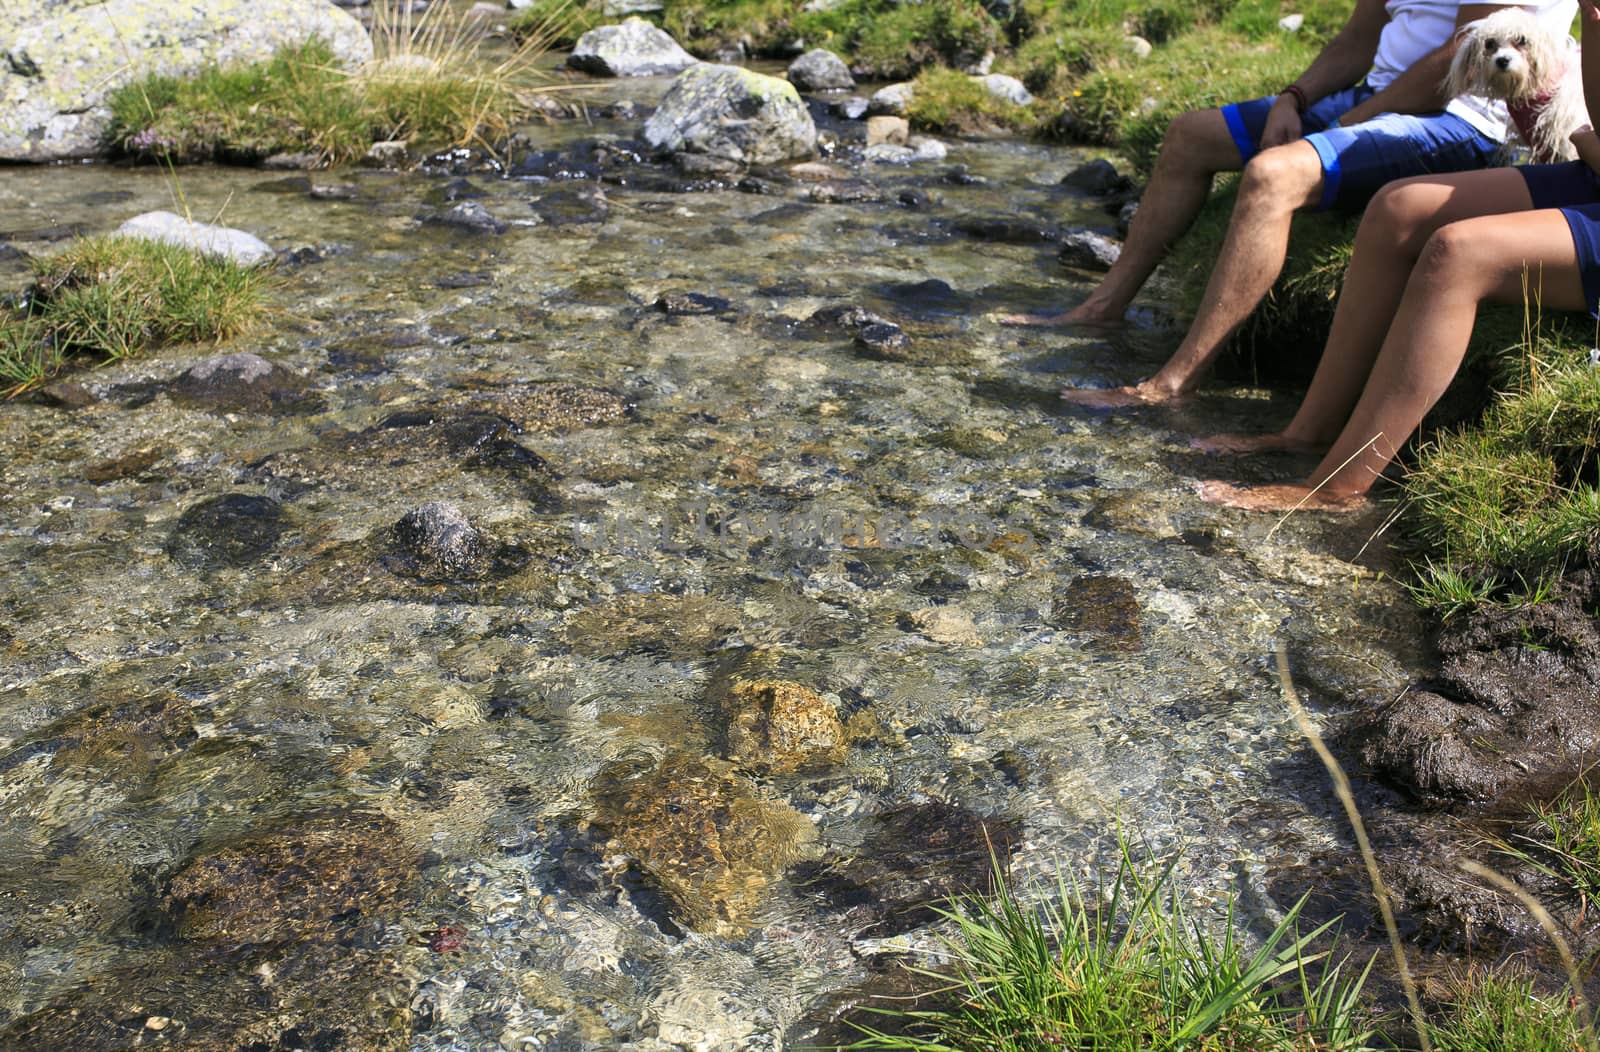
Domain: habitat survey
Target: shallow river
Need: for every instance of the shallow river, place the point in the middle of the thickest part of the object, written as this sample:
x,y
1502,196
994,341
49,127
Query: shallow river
x,y
267,786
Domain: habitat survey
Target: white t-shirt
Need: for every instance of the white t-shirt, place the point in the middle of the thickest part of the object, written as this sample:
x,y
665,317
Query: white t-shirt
x,y
1416,27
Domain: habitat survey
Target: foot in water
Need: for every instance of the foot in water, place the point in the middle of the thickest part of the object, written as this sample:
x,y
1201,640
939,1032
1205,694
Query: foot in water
x,y
1066,319
1277,498
1118,397
1276,442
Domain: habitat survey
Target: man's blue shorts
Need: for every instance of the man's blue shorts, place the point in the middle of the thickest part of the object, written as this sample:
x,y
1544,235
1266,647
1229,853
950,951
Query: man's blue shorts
x,y
1358,161
1574,188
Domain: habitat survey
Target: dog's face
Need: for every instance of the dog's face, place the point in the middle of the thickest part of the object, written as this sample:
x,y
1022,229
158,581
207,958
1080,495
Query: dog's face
x,y
1508,55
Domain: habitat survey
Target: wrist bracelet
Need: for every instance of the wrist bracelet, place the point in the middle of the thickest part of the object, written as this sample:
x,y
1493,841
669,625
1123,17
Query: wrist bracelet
x,y
1301,102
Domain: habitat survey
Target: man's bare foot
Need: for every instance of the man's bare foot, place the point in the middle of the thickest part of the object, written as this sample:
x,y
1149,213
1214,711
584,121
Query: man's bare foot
x,y
1276,442
1277,498
1118,397
1075,318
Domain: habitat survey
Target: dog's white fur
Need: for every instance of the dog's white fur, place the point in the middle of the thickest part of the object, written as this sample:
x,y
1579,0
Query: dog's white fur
x,y
1509,55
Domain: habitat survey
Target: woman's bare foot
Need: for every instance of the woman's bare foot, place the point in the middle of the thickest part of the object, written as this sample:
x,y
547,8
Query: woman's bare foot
x,y
1276,442
1277,498
1118,397
1075,318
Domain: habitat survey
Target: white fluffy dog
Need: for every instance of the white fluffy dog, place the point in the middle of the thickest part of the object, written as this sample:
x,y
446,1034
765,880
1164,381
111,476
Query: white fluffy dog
x,y
1510,56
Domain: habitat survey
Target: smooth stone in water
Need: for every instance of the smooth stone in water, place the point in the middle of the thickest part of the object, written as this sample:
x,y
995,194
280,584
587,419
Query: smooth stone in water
x,y
893,130
893,100
470,215
237,381
851,107
635,48
883,340
442,540
820,70
734,114
242,248
1098,178
236,529
1087,250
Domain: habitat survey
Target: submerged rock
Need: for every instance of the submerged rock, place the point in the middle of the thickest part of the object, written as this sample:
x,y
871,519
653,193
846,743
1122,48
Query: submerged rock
x,y
441,541
236,529
1104,608
242,248
1098,178
62,64
703,835
774,725
469,215
1087,250
820,70
436,443
238,381
635,48
910,860
315,879
734,114
687,304
884,341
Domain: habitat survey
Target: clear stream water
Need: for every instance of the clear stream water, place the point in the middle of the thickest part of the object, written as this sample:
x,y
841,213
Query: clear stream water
x,y
295,798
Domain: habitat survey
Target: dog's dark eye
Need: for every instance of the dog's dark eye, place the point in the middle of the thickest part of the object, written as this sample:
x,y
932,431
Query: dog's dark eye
x,y
1522,42
1490,46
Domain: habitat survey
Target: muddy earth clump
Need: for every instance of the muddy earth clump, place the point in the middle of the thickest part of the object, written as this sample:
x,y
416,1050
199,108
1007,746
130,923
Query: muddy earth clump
x,y
1515,709
703,835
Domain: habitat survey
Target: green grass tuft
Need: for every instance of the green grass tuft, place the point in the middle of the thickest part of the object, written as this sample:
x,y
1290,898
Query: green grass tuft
x,y
1124,969
1502,1010
947,101
427,82
115,297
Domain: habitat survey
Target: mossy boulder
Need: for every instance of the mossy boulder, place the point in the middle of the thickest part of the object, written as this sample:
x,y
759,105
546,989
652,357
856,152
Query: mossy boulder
x,y
732,114
62,64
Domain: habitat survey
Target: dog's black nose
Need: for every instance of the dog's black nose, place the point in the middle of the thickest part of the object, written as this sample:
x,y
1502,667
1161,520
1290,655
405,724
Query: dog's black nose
x,y
1503,61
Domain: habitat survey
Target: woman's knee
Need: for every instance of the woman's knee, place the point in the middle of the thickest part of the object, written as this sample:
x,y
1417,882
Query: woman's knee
x,y
1453,255
1403,214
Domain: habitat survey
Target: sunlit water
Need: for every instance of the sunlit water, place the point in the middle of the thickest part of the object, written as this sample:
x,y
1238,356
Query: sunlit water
x,y
448,738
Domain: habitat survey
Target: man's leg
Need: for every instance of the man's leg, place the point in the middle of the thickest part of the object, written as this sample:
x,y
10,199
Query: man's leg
x,y
1198,145
1276,183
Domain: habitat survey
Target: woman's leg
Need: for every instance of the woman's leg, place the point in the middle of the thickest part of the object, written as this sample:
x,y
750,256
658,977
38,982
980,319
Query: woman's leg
x,y
1394,229
1505,259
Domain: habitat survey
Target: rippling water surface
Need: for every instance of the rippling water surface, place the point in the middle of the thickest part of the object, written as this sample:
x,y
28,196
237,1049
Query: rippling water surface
x,y
262,785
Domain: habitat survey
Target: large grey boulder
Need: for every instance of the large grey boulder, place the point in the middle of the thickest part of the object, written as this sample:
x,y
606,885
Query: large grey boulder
x,y
634,48
243,248
820,70
60,60
731,113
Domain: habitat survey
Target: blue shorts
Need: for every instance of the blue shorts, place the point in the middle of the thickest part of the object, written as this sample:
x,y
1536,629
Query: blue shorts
x,y
1358,161
1574,188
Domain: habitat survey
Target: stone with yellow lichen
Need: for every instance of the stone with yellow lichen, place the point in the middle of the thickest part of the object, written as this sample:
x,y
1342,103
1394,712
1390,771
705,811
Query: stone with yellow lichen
x,y
703,835
62,61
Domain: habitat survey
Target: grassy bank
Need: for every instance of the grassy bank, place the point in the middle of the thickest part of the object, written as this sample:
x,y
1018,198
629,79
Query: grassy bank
x,y
109,298
1126,968
429,83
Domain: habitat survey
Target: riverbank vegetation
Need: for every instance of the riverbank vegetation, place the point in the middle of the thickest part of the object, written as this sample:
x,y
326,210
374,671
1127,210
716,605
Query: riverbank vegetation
x,y
110,298
429,81
1128,968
